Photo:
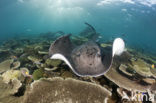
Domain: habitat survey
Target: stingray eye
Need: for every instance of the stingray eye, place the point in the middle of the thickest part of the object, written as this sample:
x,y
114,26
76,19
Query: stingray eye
x,y
78,54
98,55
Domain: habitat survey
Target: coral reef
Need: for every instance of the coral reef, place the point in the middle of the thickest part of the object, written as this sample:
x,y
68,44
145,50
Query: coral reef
x,y
16,65
25,61
8,91
64,91
11,75
53,63
5,65
125,82
142,68
37,74
34,59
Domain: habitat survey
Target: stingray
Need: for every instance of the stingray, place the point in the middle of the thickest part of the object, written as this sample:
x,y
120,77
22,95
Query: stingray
x,y
88,59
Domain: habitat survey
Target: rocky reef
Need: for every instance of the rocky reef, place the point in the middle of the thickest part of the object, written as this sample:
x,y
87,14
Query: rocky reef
x,y
28,75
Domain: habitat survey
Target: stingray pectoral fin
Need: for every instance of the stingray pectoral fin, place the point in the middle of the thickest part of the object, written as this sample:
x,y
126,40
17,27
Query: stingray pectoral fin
x,y
118,47
62,46
63,58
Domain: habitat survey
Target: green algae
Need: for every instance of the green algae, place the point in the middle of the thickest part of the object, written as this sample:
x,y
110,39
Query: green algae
x,y
37,74
54,63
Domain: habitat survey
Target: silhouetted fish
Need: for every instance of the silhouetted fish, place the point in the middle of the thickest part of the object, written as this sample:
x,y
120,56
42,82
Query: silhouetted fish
x,y
90,33
93,29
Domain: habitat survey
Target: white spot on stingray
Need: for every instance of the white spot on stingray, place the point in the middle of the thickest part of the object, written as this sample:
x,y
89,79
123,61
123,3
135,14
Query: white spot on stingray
x,y
118,46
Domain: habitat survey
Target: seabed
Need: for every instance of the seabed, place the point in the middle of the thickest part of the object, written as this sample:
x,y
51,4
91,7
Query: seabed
x,y
28,75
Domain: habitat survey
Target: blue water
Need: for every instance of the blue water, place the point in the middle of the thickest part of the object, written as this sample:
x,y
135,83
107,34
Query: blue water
x,y
134,21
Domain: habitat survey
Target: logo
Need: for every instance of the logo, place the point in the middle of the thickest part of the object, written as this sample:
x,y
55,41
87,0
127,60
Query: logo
x,y
139,97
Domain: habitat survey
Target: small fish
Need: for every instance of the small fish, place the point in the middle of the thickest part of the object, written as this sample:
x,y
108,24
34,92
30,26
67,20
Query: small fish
x,y
14,57
123,35
37,62
153,66
25,72
100,36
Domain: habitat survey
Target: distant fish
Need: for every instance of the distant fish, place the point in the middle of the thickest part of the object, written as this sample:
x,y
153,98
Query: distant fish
x,y
37,62
90,26
60,32
90,33
25,72
153,66
100,36
87,59
28,30
123,35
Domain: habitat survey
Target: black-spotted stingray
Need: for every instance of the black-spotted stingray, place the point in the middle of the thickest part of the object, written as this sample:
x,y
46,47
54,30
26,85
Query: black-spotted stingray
x,y
87,59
